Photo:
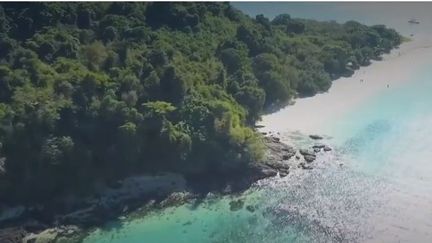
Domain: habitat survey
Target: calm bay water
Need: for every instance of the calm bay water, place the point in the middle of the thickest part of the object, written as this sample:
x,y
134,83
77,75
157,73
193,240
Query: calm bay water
x,y
394,15
382,193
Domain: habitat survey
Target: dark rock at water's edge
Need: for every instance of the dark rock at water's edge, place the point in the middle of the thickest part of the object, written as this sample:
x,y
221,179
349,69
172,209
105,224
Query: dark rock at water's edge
x,y
283,173
107,203
64,233
308,155
319,146
315,137
309,158
275,163
305,166
250,208
89,213
236,205
276,150
305,152
176,198
277,155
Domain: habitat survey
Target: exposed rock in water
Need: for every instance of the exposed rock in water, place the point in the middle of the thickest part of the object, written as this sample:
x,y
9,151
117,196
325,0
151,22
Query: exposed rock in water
x,y
278,166
269,172
306,152
305,166
309,158
283,173
278,156
315,137
307,155
236,205
327,148
176,198
68,233
228,189
276,139
277,151
319,146
250,208
211,196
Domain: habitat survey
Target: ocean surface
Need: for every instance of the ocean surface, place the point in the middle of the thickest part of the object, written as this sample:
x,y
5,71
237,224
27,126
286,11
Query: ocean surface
x,y
375,186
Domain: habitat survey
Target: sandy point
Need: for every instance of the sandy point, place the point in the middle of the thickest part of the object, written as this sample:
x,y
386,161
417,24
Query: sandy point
x,y
308,115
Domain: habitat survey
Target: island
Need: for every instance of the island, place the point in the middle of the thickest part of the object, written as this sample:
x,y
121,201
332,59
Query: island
x,y
92,94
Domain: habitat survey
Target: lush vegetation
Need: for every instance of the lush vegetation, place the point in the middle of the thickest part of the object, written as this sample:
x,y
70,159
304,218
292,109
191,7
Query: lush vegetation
x,y
94,91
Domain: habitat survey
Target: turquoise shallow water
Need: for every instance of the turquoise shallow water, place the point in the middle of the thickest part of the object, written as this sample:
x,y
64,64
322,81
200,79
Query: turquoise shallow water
x,y
382,193
392,126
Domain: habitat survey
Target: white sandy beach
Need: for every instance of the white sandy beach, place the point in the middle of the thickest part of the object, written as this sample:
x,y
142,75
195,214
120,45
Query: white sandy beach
x,y
308,114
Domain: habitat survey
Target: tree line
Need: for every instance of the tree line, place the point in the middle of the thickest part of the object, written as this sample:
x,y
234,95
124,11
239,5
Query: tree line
x,y
97,91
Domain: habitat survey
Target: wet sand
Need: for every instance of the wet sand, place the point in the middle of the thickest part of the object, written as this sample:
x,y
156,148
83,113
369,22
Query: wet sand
x,y
308,115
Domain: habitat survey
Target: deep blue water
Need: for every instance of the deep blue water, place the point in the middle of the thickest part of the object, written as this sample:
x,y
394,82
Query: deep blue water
x,y
394,15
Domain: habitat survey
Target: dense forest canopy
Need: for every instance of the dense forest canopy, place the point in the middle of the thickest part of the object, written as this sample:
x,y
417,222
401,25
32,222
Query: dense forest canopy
x,y
95,91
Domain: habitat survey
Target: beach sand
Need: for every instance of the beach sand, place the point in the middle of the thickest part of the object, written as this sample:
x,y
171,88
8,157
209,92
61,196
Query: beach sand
x,y
308,115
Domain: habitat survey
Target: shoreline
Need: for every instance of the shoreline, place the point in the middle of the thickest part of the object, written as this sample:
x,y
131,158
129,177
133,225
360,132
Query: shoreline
x,y
133,192
308,115
73,217
167,189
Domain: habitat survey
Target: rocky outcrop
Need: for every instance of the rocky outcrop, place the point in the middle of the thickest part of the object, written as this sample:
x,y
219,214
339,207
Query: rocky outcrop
x,y
176,198
115,199
277,151
236,205
309,158
307,155
318,145
315,137
250,208
276,156
305,166
67,233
